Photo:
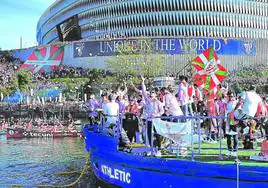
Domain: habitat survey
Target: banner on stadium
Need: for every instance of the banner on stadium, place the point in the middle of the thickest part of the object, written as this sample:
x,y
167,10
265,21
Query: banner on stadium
x,y
166,46
44,59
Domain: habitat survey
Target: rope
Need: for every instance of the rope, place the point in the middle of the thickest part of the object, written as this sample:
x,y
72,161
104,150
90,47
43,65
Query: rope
x,y
86,166
56,173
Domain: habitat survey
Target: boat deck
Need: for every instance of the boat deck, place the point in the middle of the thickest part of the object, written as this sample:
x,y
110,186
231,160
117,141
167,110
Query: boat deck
x,y
209,153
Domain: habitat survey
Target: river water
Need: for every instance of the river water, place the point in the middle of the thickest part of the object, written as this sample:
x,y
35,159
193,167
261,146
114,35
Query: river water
x,y
44,161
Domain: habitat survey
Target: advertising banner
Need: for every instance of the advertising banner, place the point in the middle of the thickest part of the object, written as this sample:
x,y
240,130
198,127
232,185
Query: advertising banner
x,y
166,45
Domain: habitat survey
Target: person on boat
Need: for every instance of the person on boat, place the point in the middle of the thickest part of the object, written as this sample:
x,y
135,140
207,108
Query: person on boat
x,y
93,105
191,94
198,99
56,127
28,126
183,96
264,148
123,102
104,100
221,110
261,115
16,124
43,127
211,109
122,91
50,126
131,121
111,111
248,104
71,127
133,107
172,107
231,125
152,108
5,126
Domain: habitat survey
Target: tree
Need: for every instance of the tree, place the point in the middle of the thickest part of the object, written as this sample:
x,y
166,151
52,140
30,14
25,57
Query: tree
x,y
24,80
130,62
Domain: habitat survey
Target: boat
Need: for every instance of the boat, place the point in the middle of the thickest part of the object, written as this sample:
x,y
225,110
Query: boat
x,y
19,133
128,168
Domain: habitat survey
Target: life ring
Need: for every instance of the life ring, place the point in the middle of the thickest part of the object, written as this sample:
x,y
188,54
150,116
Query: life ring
x,y
11,132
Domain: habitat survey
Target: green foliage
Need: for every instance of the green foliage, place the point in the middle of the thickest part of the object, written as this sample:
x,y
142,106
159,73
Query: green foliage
x,y
262,89
250,73
71,83
257,75
130,62
237,88
24,80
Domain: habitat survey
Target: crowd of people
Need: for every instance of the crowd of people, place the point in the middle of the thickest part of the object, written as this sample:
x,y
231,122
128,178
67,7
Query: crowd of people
x,y
7,69
249,75
64,72
39,125
141,105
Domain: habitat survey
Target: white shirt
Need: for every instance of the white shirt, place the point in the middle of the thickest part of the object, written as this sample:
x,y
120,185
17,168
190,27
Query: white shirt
x,y
251,100
111,109
183,94
172,106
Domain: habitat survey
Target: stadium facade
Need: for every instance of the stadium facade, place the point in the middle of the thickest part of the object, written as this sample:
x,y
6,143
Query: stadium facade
x,y
237,29
155,18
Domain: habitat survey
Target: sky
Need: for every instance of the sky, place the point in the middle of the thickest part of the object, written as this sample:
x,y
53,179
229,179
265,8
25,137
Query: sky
x,y
19,18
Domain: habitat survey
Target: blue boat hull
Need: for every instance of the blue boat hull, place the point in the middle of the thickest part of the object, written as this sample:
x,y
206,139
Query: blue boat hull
x,y
127,170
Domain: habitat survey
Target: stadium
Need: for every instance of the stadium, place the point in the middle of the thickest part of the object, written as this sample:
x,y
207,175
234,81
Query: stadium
x,y
237,30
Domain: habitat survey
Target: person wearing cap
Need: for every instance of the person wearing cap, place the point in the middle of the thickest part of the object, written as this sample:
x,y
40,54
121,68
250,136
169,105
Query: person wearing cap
x,y
152,108
93,105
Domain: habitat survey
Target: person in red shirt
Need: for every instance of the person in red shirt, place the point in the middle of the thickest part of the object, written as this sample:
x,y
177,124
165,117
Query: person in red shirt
x,y
133,107
261,115
211,107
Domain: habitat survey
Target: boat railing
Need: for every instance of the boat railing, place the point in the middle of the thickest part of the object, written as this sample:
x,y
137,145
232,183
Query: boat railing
x,y
249,143
196,147
195,128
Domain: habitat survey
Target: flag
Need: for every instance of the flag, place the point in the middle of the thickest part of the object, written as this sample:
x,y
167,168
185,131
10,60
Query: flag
x,y
210,72
44,60
177,132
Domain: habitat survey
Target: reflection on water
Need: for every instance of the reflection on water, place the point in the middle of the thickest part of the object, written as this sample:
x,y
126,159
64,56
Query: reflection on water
x,y
39,160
